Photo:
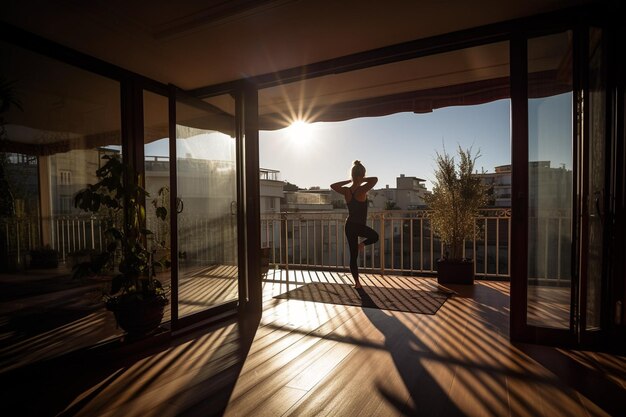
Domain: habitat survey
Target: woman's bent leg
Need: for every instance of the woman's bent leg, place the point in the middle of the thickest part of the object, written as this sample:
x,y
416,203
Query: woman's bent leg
x,y
369,234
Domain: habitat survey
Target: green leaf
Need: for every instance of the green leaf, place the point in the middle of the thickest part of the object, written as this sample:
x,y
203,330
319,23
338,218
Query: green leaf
x,y
111,247
117,283
161,213
115,233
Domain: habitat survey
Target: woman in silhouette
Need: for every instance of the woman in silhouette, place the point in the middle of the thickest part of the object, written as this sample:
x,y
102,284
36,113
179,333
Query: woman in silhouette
x,y
356,200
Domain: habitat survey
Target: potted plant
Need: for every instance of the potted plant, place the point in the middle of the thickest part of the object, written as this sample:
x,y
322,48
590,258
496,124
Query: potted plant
x,y
9,260
455,202
81,256
44,257
136,297
161,209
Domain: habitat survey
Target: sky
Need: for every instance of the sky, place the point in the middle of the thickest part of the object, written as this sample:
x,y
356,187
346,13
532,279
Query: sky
x,y
403,143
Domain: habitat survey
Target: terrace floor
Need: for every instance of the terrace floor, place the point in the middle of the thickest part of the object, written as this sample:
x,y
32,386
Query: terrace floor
x,y
312,359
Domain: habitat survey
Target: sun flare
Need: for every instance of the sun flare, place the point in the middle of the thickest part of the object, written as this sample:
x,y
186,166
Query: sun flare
x,y
300,129
300,133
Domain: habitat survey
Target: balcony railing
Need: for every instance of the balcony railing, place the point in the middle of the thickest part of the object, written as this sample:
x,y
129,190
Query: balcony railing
x,y
316,240
407,244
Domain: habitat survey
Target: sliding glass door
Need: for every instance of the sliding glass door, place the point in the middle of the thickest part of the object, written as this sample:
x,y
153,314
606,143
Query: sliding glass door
x,y
206,205
593,181
558,121
550,181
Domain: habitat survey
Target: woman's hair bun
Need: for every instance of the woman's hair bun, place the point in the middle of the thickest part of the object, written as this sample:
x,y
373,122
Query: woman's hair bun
x,y
358,170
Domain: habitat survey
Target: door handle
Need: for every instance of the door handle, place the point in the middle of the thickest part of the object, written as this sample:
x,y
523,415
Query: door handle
x,y
233,208
180,206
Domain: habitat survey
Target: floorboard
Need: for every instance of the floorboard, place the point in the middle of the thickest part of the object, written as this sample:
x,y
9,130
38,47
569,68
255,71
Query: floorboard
x,y
312,359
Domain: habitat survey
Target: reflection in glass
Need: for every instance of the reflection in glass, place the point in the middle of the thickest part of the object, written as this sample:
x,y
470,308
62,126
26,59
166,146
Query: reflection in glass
x,y
52,144
207,213
157,180
549,180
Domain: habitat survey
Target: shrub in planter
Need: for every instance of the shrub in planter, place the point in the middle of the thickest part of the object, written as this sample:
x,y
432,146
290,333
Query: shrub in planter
x,y
456,199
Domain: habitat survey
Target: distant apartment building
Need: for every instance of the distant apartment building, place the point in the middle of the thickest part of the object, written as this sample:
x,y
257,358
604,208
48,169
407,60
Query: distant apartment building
x,y
549,189
545,185
271,190
314,199
408,194
500,184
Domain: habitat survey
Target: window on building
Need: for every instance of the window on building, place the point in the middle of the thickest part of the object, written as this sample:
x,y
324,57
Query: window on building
x,y
65,177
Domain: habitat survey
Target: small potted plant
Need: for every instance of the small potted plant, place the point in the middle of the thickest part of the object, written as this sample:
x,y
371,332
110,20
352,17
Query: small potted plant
x,y
81,256
44,257
136,297
9,259
455,202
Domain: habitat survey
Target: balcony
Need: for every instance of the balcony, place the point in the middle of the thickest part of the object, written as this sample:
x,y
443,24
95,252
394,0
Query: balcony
x,y
305,358
315,240
310,240
306,243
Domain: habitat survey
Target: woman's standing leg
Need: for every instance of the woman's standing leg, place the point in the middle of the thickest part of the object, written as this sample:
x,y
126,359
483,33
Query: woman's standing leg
x,y
352,237
370,236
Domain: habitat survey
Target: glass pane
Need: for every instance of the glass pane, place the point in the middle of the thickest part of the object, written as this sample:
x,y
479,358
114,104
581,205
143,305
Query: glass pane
x,y
157,180
597,115
549,180
207,189
62,121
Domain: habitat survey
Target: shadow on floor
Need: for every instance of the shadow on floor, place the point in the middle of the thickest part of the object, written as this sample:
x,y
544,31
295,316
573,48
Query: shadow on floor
x,y
71,384
426,396
581,372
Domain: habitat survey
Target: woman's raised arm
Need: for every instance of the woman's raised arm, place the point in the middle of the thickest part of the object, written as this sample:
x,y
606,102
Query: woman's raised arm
x,y
370,182
338,186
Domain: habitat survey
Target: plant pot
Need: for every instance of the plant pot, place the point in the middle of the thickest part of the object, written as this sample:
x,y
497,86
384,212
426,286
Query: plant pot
x,y
82,256
455,271
44,258
137,317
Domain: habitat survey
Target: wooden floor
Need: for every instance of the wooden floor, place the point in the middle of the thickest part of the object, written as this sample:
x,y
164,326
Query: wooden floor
x,y
312,359
55,322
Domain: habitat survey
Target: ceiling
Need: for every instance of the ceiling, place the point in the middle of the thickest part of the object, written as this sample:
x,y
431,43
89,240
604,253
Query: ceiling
x,y
193,43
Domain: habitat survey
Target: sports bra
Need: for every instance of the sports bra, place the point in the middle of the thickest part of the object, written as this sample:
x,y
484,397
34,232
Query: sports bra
x,y
357,210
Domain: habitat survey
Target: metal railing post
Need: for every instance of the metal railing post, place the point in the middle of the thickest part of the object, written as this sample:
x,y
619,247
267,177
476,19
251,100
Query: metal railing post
x,y
382,243
286,253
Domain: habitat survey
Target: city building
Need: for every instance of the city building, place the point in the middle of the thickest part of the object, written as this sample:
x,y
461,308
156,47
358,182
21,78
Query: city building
x,y
408,194
307,200
270,191
545,185
499,183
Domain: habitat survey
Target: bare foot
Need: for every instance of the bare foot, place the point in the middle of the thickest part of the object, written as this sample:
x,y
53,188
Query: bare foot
x,y
358,285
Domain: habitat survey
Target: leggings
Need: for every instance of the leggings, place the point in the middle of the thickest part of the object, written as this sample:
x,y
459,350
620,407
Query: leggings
x,y
353,231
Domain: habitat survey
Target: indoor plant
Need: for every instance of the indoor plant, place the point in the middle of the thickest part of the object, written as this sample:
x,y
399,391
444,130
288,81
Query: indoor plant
x,y
455,202
9,259
136,297
44,257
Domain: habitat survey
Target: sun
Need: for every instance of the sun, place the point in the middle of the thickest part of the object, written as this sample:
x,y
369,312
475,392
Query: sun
x,y
300,133
300,129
